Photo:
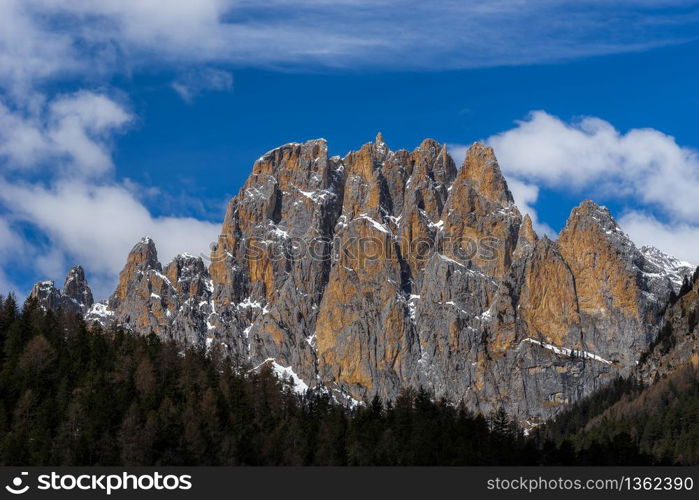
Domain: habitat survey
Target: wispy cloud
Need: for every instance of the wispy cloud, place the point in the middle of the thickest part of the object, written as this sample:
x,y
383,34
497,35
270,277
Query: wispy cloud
x,y
45,38
71,131
192,83
591,155
57,183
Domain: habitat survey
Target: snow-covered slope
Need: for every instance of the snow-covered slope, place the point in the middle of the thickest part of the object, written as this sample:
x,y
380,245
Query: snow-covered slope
x,y
664,265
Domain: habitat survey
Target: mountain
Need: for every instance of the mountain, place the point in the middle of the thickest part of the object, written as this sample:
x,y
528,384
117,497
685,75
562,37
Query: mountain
x,y
658,420
362,275
75,296
666,266
677,344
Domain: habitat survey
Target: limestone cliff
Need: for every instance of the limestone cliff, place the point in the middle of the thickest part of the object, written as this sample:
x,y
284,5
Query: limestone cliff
x,y
74,297
384,269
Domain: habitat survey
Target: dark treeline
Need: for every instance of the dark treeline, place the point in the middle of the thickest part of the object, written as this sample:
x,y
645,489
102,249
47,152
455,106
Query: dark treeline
x,y
662,421
575,418
73,396
687,286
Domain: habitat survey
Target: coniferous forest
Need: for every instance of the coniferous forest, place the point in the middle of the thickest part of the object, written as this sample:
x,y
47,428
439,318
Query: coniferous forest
x,y
73,396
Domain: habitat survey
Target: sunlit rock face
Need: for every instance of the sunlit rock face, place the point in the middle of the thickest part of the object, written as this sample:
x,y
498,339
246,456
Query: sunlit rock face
x,y
385,269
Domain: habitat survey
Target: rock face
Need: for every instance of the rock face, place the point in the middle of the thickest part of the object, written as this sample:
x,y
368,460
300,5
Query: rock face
x,y
660,265
385,269
174,302
75,296
678,341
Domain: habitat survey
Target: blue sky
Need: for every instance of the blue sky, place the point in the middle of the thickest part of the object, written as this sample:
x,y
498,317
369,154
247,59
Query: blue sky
x,y
126,118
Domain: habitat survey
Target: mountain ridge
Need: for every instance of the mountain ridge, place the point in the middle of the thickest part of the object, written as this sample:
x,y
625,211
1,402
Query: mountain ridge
x,y
384,269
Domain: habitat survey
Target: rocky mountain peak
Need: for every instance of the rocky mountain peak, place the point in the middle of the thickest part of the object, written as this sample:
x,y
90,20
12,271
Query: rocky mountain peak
x,y
142,259
75,297
75,274
291,156
430,145
379,148
185,266
665,265
144,255
75,287
385,269
526,230
188,275
481,169
614,279
591,213
601,257
594,224
526,238
174,302
46,293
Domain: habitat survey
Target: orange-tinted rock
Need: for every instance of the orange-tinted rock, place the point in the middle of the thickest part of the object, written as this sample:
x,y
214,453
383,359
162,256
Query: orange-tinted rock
x,y
598,255
386,269
481,222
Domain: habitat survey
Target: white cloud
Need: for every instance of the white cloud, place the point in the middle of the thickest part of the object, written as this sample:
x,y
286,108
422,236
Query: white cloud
x,y
644,169
590,154
96,226
72,131
80,212
193,83
41,39
678,239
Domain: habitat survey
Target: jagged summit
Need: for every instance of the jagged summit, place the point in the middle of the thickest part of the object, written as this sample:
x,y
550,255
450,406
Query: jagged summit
x,y
481,168
596,221
75,296
527,230
145,252
661,265
590,211
526,238
75,288
592,208
384,269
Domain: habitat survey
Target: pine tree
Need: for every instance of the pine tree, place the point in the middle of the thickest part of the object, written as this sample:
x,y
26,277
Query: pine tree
x,y
73,396
686,286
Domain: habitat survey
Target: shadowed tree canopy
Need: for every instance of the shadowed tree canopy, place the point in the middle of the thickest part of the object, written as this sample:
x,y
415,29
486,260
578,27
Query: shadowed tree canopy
x,y
70,395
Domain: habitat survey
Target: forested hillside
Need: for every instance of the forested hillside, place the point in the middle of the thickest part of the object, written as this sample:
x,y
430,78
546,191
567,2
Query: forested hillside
x,y
662,421
73,396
